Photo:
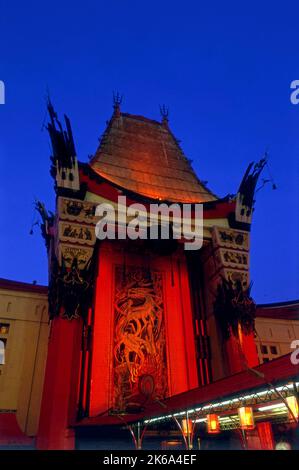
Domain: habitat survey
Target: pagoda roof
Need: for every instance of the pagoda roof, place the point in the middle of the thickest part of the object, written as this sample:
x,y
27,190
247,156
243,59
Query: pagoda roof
x,y
143,156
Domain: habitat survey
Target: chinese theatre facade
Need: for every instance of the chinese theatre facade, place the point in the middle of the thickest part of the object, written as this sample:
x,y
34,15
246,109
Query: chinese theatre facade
x,y
136,323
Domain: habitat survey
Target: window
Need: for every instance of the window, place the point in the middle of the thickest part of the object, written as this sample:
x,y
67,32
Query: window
x,y
268,352
2,351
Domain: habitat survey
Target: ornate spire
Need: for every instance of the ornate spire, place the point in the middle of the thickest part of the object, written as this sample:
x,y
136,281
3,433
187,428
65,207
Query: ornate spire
x,y
64,161
117,100
247,189
164,111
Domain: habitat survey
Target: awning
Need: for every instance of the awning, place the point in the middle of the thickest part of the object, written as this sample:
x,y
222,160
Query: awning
x,y
277,372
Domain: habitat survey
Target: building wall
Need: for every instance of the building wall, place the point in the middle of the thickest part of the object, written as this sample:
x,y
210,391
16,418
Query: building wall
x,y
274,337
25,330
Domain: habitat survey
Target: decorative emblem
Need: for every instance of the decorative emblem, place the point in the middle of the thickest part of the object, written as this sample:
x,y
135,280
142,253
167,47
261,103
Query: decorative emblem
x,y
76,210
67,253
232,258
76,233
228,238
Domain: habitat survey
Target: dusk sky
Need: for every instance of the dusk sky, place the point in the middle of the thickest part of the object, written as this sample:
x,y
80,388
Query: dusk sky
x,y
223,69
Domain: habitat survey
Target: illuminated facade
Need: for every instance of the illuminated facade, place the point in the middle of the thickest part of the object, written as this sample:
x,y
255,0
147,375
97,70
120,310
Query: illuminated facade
x,y
142,326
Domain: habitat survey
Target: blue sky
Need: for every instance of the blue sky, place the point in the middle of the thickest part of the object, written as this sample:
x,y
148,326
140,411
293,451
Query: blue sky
x,y
224,70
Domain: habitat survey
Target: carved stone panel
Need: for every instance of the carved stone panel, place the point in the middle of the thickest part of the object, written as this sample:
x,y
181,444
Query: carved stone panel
x,y
228,238
69,252
77,211
77,233
234,275
232,258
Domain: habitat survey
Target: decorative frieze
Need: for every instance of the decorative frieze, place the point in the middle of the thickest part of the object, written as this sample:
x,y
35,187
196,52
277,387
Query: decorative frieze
x,y
229,238
231,255
231,258
77,233
76,210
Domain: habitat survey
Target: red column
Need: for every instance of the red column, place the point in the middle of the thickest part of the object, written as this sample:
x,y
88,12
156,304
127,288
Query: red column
x,y
102,344
266,435
58,408
249,350
241,353
234,358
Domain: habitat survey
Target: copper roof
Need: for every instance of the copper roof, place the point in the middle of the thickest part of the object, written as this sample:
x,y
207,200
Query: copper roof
x,y
143,156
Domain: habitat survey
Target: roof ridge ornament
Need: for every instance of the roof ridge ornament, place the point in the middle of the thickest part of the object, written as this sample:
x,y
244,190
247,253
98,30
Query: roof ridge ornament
x,y
64,168
247,190
117,101
164,111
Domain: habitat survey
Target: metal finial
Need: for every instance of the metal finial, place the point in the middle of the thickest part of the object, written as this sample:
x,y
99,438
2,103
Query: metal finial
x,y
164,111
117,100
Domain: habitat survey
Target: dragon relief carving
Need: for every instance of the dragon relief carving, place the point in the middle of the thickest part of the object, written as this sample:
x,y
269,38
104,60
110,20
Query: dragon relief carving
x,y
139,345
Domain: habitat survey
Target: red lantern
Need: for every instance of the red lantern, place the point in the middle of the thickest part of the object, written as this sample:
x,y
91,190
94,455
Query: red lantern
x,y
246,418
213,424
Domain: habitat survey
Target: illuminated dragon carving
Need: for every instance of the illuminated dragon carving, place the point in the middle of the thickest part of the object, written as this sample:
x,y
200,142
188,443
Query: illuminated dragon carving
x,y
139,347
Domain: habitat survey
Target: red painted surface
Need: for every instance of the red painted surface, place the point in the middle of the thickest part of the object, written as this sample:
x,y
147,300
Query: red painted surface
x,y
241,354
58,409
266,435
249,350
10,432
181,363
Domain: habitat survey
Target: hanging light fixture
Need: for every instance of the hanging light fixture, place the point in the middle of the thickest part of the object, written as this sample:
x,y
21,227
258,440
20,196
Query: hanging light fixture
x,y
246,418
213,424
187,426
293,405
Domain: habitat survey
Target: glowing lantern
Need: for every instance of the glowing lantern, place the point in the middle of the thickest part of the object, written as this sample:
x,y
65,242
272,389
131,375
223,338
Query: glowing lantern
x,y
213,424
187,426
293,405
246,418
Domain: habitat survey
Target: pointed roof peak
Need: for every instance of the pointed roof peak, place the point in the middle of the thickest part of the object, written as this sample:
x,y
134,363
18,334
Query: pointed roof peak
x,y
143,156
